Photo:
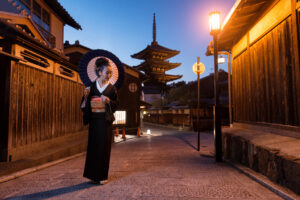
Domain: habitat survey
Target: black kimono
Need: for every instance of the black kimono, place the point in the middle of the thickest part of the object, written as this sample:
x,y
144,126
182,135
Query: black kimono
x,y
100,134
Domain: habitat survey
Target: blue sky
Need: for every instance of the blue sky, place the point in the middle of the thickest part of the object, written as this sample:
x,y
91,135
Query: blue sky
x,y
124,27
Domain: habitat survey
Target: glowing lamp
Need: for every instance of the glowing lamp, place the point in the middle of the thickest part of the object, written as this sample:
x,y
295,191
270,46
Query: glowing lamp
x,y
198,68
214,23
148,132
221,60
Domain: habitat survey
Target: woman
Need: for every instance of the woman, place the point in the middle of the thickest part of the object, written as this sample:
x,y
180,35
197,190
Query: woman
x,y
99,99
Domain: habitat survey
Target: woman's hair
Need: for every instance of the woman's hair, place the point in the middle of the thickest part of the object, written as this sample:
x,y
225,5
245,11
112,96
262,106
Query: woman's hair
x,y
100,64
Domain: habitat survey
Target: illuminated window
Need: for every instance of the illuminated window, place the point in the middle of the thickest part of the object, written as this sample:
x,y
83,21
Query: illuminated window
x,y
120,117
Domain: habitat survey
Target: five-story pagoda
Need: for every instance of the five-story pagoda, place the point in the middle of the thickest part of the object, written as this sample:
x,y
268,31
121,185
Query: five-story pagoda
x,y
155,65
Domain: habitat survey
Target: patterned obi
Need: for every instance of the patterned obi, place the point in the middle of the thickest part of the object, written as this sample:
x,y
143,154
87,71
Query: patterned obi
x,y
97,105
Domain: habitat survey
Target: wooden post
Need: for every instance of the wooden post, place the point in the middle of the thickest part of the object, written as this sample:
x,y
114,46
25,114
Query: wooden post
x,y
295,36
198,105
217,120
229,89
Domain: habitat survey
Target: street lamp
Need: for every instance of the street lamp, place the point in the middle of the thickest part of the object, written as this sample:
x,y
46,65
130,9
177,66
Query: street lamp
x,y
214,29
198,68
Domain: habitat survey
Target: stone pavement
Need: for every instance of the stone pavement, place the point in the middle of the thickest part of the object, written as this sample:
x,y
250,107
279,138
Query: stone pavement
x,y
163,165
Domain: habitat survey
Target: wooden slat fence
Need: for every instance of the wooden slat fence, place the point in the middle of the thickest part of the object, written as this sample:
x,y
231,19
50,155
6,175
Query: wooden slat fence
x,y
264,80
42,106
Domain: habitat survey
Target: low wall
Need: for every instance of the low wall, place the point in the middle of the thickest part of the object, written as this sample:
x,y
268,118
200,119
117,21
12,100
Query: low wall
x,y
272,155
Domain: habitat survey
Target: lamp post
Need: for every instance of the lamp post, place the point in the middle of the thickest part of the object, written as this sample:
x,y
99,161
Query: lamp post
x,y
198,68
214,25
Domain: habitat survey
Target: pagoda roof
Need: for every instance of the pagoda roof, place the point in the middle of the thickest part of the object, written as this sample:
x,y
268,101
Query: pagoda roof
x,y
154,63
165,77
155,47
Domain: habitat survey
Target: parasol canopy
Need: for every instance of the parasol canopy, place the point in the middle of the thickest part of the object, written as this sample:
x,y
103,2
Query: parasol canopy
x,y
86,68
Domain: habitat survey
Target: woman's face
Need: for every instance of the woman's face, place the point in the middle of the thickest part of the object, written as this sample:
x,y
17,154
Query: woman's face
x,y
106,73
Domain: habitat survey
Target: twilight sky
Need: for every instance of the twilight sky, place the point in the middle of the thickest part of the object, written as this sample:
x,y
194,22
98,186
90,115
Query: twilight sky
x,y
124,27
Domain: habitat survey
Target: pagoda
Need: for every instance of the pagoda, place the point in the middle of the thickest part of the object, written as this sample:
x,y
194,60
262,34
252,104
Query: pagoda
x,y
155,65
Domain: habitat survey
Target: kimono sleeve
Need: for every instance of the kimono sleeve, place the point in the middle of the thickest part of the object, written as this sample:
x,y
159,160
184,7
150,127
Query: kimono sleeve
x,y
114,100
86,109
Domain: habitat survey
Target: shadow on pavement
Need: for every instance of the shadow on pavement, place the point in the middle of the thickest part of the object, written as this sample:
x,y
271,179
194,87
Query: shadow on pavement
x,y
54,192
186,141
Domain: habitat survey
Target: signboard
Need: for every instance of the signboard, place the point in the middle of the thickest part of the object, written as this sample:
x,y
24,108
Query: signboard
x,y
198,68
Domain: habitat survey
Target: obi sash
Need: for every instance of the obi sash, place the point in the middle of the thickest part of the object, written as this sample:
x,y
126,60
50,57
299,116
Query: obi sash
x,y
97,105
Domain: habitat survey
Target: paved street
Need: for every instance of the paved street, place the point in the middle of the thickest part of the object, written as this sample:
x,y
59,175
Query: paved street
x,y
164,165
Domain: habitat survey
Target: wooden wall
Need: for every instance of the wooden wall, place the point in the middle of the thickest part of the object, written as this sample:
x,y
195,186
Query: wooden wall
x,y
264,79
130,101
42,106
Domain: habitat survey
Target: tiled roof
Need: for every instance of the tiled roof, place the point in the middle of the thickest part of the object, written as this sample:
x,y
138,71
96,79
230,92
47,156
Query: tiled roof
x,y
61,11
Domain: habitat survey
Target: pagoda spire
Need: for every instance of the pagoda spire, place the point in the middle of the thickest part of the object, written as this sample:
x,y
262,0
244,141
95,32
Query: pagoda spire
x,y
154,30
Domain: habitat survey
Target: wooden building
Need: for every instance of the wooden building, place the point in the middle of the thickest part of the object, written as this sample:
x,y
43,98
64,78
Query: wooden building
x,y
40,89
130,94
263,39
155,65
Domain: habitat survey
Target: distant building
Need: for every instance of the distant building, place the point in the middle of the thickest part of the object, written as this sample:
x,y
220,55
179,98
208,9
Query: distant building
x,y
75,51
40,91
155,65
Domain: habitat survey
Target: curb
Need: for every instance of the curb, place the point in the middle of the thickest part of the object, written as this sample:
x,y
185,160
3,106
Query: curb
x,y
178,128
49,164
33,169
264,181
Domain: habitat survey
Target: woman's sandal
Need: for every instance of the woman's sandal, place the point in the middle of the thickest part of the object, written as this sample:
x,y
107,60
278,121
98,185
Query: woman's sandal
x,y
103,182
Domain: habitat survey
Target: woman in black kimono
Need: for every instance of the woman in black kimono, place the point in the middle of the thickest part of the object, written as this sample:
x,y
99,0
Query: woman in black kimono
x,y
99,99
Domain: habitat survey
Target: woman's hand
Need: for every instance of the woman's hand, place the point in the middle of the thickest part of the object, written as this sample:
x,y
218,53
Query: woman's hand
x,y
86,92
85,95
105,99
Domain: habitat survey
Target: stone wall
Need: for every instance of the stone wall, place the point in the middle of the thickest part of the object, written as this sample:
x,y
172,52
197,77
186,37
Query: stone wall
x,y
282,168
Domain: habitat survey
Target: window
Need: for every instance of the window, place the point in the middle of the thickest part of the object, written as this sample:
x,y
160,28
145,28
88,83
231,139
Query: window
x,y
37,13
46,20
120,117
40,16
132,87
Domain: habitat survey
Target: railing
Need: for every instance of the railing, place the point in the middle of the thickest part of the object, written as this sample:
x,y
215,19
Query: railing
x,y
51,38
